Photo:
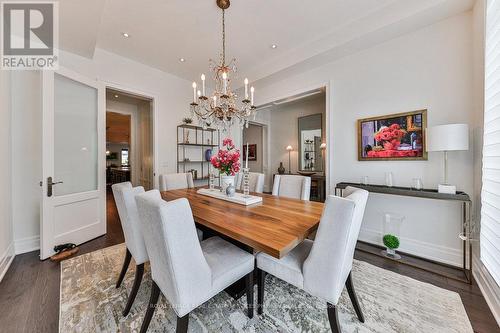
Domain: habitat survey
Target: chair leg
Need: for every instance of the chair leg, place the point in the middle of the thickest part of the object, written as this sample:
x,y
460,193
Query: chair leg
x,y
153,299
126,262
139,271
333,317
182,324
261,278
249,291
354,298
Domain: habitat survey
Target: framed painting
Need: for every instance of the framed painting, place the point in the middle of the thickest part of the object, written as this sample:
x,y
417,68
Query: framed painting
x,y
393,137
252,152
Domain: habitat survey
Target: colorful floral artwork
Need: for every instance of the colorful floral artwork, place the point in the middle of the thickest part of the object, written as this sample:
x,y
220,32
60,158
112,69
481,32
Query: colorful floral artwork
x,y
393,137
227,160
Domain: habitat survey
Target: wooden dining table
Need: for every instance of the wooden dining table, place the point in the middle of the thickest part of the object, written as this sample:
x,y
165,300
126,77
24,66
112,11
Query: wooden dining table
x,y
275,226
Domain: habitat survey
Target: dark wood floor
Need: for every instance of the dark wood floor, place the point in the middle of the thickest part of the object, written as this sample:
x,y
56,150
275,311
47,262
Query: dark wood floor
x,y
29,292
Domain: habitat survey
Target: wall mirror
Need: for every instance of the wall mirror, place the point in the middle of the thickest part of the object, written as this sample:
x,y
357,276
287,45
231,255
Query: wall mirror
x,y
310,139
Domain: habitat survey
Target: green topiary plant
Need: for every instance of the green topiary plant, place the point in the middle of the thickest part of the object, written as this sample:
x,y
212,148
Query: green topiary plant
x,y
391,241
187,120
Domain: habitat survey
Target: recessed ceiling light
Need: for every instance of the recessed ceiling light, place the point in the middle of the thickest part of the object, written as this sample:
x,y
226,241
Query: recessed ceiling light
x,y
182,59
274,46
116,96
126,35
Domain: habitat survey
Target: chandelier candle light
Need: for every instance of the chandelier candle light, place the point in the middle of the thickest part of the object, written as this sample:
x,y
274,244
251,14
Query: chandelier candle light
x,y
221,110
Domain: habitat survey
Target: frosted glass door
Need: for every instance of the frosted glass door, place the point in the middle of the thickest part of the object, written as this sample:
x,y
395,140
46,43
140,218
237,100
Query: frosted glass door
x,y
73,184
75,136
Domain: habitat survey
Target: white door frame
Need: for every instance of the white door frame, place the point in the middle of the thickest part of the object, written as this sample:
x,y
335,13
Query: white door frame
x,y
154,100
47,231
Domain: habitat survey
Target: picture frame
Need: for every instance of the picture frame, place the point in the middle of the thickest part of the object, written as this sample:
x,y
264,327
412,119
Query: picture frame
x,y
252,152
399,136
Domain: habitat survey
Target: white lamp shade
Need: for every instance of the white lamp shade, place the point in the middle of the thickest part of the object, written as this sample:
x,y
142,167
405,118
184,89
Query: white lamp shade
x,y
448,137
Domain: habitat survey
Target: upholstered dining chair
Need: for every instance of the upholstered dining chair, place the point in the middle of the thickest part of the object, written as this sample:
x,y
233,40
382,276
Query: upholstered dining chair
x,y
124,195
322,267
187,272
292,186
256,182
176,181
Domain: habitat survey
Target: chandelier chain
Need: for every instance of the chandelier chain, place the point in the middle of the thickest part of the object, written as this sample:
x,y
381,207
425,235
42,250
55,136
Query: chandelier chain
x,y
223,37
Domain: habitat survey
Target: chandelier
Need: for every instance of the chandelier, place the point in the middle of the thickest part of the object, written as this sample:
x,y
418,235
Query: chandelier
x,y
221,109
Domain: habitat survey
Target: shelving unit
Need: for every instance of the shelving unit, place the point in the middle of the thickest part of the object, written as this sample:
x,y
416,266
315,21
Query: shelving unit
x,y
192,143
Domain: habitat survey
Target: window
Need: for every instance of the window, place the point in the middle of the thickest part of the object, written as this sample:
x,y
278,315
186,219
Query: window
x,y
124,156
490,195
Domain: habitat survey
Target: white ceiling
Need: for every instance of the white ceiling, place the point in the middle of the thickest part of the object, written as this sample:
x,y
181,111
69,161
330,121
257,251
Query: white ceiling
x,y
163,31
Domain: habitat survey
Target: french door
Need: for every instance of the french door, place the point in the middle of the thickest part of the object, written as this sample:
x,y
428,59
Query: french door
x,y
73,204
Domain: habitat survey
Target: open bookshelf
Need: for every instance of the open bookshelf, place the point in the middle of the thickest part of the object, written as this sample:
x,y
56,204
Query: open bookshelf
x,y
192,145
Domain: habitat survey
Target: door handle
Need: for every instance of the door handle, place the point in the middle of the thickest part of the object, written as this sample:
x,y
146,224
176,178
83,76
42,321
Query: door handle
x,y
49,186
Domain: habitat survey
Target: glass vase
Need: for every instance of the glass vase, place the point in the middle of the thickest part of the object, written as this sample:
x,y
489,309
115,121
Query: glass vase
x,y
391,236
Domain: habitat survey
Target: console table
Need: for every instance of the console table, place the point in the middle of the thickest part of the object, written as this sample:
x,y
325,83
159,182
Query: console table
x,y
429,194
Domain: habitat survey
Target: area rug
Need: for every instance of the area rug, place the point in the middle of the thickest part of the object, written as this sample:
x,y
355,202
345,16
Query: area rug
x,y
391,302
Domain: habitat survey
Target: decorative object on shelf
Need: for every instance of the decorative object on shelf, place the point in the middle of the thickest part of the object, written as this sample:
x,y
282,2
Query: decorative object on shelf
x,y
389,179
187,120
186,159
246,182
186,137
445,138
365,180
281,169
289,149
221,109
227,161
208,154
252,152
391,234
393,137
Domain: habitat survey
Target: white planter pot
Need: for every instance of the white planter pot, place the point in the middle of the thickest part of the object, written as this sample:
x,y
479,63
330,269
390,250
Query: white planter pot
x,y
226,181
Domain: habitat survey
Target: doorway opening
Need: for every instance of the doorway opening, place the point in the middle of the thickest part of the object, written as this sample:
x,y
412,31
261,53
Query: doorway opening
x,y
298,138
256,135
129,139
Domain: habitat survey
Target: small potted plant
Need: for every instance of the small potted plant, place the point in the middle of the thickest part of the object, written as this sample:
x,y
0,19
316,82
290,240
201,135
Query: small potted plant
x,y
227,161
391,238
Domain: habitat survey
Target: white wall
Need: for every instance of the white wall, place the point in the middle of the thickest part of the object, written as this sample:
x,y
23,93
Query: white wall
x,y
26,159
171,101
430,68
6,235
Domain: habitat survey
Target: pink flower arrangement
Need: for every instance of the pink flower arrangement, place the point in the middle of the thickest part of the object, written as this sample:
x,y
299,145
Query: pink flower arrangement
x,y
227,159
390,136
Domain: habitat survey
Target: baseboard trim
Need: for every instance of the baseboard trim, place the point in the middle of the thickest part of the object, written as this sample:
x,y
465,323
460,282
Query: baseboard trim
x,y
488,286
27,244
6,259
418,248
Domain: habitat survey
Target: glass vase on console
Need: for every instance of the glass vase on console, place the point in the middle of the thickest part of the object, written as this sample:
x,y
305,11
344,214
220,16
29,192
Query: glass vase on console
x,y
391,234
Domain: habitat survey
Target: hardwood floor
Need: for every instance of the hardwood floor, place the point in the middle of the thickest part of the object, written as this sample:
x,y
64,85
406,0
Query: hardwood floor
x,y
29,292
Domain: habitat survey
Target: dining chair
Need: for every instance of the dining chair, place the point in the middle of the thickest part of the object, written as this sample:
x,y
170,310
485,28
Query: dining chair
x,y
176,181
187,272
322,267
292,186
256,182
124,195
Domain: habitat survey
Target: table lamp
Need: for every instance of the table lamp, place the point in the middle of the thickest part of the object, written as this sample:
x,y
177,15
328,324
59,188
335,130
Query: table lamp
x,y
446,138
289,148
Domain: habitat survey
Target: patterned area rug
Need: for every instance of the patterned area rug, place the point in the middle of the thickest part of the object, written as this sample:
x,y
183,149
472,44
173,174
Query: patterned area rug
x,y
391,303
